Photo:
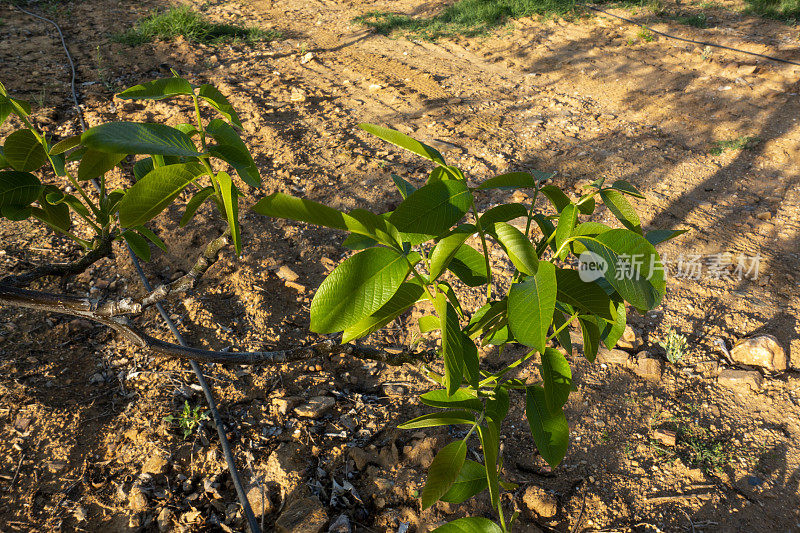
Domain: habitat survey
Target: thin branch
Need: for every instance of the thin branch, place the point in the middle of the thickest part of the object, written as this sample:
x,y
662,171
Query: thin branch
x,y
127,305
62,269
87,308
188,281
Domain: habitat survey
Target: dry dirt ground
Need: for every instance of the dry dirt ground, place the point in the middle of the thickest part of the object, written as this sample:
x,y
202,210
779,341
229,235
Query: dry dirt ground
x,y
83,443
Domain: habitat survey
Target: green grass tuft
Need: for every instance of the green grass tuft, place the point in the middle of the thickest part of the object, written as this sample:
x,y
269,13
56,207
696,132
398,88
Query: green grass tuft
x,y
785,10
467,17
699,20
175,21
742,143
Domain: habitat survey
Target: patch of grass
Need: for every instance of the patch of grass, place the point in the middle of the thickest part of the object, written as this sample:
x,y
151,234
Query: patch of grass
x,y
786,10
699,20
645,35
467,17
741,143
703,449
182,20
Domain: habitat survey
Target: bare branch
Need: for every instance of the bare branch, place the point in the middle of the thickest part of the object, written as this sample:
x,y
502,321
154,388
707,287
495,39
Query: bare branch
x,y
62,269
124,306
188,281
88,308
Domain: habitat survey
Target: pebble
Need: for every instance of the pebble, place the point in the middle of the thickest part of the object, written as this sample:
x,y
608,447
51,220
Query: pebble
x,y
137,501
763,351
647,367
340,525
155,464
259,500
287,274
164,519
740,378
315,407
309,56
766,215
304,516
540,502
665,437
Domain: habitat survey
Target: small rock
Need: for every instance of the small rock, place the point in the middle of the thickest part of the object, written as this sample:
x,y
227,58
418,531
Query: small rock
x,y
284,405
647,367
613,357
259,500
79,514
164,519
297,95
631,339
375,87
309,56
540,502
315,407
740,378
287,274
665,437
137,501
359,457
766,215
155,464
763,351
340,525
56,466
304,516
394,390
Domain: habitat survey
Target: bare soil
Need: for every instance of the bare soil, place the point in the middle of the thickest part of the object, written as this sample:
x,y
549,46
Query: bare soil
x,y
83,443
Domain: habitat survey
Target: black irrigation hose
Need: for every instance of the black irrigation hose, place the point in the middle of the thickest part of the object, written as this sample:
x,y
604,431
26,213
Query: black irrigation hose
x,y
198,371
704,43
69,58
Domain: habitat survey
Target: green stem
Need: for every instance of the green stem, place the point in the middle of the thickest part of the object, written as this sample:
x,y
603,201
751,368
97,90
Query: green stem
x,y
485,251
528,355
530,212
199,121
500,514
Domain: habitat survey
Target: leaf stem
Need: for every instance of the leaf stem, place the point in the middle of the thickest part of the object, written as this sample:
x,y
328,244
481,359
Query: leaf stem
x,y
485,251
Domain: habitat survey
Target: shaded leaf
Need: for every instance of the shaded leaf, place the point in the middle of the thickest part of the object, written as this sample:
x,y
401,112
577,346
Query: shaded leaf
x,y
95,163
470,481
502,213
518,248
446,418
472,524
157,89
218,101
138,244
230,200
557,377
446,249
194,204
622,209
232,150
461,399
469,265
549,428
139,138
443,472
23,151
